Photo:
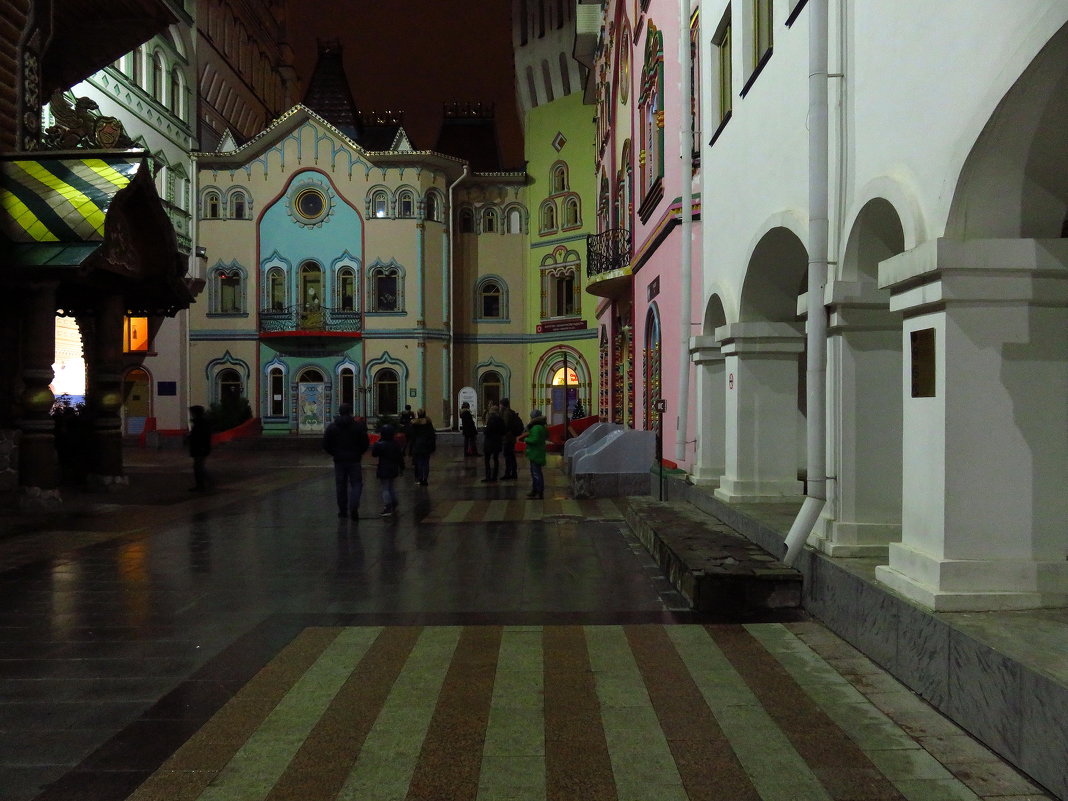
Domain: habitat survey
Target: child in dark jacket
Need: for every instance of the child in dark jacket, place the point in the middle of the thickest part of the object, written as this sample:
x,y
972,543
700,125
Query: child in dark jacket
x,y
390,464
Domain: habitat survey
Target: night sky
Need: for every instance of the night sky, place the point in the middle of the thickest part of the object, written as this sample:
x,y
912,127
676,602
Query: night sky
x,y
415,55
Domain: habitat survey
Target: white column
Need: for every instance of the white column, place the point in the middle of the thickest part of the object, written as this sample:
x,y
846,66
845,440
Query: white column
x,y
762,432
711,410
863,511
985,454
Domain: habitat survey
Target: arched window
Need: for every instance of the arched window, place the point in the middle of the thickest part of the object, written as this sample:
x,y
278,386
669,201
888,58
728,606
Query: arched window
x,y
212,206
386,289
559,178
346,380
489,220
490,300
346,289
276,289
433,207
405,204
276,392
651,111
560,291
467,221
572,216
515,221
387,391
228,385
136,71
490,389
379,203
311,295
176,92
652,368
548,217
229,292
239,206
157,77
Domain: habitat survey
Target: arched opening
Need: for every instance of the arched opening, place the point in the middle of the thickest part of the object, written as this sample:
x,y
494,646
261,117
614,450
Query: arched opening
x,y
311,401
490,389
311,295
386,392
652,368
229,388
136,401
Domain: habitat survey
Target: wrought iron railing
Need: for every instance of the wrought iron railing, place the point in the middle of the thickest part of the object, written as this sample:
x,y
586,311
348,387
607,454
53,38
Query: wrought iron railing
x,y
607,251
300,318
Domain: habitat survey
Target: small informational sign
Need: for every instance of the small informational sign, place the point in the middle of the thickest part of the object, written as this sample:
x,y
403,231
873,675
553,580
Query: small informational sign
x,y
470,396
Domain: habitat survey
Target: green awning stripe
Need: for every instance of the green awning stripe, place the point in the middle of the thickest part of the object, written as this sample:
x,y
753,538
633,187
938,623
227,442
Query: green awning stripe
x,y
40,207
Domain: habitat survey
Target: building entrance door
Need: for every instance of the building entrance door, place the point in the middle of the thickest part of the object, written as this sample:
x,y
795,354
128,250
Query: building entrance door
x,y
136,393
311,403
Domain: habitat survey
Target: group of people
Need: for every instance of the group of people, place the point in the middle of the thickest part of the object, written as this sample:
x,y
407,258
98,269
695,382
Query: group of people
x,y
502,430
347,439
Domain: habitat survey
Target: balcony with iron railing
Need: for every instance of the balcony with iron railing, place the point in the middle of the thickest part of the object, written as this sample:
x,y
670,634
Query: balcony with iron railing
x,y
608,256
304,321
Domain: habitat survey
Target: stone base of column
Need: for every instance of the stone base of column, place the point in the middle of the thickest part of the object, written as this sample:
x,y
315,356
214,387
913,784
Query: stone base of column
x,y
958,585
706,477
39,499
732,490
103,483
865,540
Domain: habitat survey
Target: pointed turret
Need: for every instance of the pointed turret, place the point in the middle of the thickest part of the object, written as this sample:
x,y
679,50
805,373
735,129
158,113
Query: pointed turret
x,y
469,131
329,94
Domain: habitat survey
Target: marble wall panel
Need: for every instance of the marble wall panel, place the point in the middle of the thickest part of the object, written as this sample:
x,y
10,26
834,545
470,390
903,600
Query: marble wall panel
x,y
984,694
1044,733
922,658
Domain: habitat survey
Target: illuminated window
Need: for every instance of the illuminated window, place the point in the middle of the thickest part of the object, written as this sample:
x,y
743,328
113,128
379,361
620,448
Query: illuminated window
x,y
379,204
135,335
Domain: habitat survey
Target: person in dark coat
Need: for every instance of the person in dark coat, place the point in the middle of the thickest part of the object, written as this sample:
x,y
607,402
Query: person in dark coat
x,y
513,427
469,429
199,443
346,440
492,438
390,465
423,443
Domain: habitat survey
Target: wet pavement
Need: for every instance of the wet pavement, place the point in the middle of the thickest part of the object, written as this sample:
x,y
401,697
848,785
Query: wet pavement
x,y
248,644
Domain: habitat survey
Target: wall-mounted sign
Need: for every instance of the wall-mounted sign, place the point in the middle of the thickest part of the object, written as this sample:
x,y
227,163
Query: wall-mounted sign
x,y
654,287
552,326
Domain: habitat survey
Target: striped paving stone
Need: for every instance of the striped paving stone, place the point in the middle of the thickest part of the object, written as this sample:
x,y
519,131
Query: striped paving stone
x,y
553,713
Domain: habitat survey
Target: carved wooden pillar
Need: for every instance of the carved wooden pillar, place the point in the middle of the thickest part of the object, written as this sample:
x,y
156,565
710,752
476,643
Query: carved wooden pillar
x,y
104,374
38,463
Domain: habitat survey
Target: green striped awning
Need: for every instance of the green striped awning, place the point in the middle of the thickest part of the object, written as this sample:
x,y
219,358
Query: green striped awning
x,y
61,199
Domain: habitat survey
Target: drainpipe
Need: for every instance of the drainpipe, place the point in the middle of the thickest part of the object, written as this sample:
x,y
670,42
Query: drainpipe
x,y
686,262
449,282
818,228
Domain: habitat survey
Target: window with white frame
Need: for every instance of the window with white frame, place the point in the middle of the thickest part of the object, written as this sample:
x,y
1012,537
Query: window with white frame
x,y
276,392
548,217
157,77
212,206
405,204
572,212
276,289
386,289
490,299
762,32
515,220
379,203
490,222
723,85
651,106
229,291
346,289
559,178
238,202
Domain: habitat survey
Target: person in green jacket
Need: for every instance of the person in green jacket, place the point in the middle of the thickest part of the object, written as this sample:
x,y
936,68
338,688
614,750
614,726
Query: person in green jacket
x,y
536,436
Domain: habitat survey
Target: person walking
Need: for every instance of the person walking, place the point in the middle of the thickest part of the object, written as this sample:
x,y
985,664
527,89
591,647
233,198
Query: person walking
x,y
513,427
535,437
405,421
347,441
199,443
469,429
424,443
492,436
390,465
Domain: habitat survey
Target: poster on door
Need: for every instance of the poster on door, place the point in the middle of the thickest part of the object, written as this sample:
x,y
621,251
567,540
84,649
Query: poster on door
x,y
311,405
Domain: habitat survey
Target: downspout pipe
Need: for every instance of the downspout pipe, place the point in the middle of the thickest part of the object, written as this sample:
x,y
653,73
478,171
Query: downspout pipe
x,y
818,232
452,318
686,245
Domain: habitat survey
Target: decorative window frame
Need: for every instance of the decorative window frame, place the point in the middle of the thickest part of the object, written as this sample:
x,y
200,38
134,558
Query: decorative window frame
x,y
157,68
480,287
345,262
227,270
276,262
511,212
466,220
489,220
373,272
232,196
571,201
279,366
651,115
559,179
206,196
434,206
378,196
491,365
406,193
547,220
225,362
310,182
343,366
371,371
561,263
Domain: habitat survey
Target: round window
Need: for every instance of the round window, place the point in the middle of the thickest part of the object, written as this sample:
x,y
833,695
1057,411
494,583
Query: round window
x,y
310,203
